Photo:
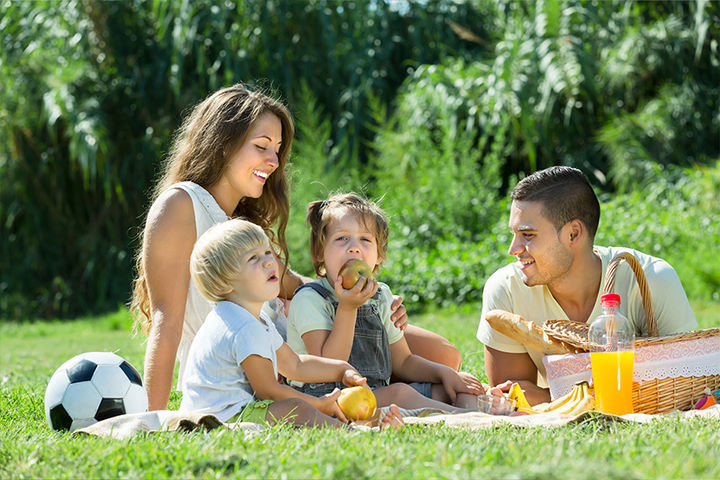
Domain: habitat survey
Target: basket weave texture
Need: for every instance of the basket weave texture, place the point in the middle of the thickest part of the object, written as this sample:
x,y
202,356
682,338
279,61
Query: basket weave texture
x,y
649,396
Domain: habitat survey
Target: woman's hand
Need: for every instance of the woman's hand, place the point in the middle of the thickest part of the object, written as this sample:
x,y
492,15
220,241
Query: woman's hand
x,y
399,313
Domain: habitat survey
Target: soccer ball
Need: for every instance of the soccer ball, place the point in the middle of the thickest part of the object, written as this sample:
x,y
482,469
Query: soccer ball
x,y
91,387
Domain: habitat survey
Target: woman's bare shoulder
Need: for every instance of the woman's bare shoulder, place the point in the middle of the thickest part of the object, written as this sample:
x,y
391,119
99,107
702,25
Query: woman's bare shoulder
x,y
171,213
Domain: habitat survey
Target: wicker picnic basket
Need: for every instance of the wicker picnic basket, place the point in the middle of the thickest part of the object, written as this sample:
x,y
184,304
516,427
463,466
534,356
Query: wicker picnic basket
x,y
649,396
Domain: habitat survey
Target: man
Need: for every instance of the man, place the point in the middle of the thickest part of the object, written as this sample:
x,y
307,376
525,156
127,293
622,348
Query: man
x,y
560,274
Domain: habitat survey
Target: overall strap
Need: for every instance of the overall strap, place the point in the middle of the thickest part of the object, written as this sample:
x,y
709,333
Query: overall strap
x,y
325,293
322,291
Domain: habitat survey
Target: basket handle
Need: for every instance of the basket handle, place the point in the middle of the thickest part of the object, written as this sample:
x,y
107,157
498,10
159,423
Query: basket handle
x,y
642,283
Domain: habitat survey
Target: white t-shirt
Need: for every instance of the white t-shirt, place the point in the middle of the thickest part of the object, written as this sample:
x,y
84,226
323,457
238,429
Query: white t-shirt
x,y
214,380
505,290
208,213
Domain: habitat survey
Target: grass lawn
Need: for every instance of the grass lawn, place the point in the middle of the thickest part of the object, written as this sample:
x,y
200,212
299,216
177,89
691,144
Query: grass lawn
x,y
29,354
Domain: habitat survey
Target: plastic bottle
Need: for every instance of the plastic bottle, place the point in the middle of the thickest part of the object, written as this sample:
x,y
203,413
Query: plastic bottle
x,y
612,356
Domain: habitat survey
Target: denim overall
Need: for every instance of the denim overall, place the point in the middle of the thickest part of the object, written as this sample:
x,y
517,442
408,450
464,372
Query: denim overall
x,y
370,353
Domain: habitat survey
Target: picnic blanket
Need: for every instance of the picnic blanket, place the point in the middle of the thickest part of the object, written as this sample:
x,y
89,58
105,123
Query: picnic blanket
x,y
126,426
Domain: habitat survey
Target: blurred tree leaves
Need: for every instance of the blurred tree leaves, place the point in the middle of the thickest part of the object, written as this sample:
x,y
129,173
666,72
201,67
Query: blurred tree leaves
x,y
435,106
90,92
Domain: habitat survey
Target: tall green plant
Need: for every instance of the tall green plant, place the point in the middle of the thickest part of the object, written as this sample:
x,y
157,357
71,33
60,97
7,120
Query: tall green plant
x,y
666,77
92,90
440,188
59,183
319,167
672,217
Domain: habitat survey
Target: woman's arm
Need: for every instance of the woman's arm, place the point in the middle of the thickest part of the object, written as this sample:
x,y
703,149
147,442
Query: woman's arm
x,y
168,242
432,346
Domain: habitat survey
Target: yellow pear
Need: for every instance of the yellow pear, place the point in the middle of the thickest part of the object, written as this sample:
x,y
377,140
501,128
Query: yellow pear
x,y
357,403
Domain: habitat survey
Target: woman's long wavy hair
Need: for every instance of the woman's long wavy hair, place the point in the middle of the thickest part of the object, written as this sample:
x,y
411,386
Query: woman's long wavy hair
x,y
200,152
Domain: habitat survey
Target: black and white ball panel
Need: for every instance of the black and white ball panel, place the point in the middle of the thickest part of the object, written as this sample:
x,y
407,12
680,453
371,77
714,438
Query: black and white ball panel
x,y
92,387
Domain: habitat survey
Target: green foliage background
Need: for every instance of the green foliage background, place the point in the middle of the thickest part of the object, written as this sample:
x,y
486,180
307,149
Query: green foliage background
x,y
435,107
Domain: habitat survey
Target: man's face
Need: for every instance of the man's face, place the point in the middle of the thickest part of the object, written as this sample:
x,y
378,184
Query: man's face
x,y
543,257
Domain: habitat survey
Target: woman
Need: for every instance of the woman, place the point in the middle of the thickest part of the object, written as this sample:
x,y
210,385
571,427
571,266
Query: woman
x,y
227,160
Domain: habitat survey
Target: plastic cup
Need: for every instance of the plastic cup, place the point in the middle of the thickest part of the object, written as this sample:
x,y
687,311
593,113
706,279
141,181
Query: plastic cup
x,y
495,405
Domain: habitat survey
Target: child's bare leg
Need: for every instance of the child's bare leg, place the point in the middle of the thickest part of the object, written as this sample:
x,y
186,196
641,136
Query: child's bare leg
x,y
300,413
392,419
405,396
467,401
462,400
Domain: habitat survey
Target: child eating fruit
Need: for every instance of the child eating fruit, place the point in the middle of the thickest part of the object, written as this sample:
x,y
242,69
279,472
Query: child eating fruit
x,y
235,358
352,322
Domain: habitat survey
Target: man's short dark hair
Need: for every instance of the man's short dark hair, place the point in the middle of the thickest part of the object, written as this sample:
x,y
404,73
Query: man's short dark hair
x,y
565,194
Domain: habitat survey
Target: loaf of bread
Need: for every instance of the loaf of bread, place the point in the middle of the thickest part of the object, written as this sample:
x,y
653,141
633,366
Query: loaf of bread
x,y
527,333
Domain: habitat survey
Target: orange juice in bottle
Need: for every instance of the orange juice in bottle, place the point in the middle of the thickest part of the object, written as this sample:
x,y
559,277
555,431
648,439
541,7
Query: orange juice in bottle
x,y
612,357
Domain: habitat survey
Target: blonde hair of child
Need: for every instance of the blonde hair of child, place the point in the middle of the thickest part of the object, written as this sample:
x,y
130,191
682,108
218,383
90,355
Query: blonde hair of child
x,y
322,212
217,254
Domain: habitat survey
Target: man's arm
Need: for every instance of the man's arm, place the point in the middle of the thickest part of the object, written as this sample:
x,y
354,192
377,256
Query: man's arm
x,y
507,368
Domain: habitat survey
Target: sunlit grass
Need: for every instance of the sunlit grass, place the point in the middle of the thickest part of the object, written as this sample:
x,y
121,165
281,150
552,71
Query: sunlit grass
x,y
31,352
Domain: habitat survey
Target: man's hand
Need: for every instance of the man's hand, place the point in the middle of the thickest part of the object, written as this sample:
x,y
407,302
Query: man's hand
x,y
504,368
533,393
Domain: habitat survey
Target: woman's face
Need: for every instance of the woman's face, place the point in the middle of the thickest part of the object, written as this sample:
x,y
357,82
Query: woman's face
x,y
250,165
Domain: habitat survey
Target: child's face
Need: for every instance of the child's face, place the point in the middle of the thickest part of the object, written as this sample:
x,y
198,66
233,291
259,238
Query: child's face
x,y
257,279
348,237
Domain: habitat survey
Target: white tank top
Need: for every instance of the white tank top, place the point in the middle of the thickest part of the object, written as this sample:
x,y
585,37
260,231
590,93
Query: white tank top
x,y
208,213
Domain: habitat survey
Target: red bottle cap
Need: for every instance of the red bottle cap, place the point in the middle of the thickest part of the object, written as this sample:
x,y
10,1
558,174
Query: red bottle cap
x,y
610,298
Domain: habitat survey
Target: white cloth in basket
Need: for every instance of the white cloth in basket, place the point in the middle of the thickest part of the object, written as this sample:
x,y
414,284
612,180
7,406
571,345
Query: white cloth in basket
x,y
690,358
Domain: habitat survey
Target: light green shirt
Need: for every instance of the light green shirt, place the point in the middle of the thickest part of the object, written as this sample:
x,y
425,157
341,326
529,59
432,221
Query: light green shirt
x,y
505,290
310,311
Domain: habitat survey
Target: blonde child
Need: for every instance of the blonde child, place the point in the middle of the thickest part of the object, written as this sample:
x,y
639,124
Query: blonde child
x,y
235,358
354,325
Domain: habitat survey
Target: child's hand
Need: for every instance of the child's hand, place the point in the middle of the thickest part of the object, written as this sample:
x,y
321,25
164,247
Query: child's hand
x,y
353,298
453,384
328,405
475,385
352,378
